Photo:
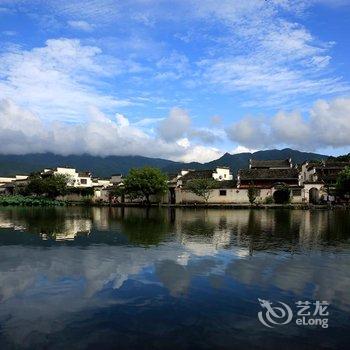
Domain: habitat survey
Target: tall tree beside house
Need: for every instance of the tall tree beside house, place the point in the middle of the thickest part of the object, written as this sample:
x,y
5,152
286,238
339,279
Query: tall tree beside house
x,y
201,187
252,193
343,182
51,186
145,182
116,194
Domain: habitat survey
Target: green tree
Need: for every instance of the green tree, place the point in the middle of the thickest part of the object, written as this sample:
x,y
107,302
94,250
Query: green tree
x,y
252,193
116,193
35,185
51,186
343,182
144,182
201,187
56,185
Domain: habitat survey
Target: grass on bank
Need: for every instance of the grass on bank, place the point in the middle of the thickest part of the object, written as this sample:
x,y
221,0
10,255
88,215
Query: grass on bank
x,y
20,200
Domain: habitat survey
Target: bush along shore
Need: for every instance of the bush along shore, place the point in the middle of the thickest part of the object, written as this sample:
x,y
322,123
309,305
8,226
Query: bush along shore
x,y
30,201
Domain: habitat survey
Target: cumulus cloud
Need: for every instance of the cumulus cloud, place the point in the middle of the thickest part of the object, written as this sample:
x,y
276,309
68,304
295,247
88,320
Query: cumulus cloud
x,y
175,125
249,132
198,153
206,135
328,125
242,149
22,132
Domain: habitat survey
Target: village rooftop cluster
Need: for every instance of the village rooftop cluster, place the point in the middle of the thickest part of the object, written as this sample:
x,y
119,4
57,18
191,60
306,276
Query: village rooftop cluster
x,y
310,182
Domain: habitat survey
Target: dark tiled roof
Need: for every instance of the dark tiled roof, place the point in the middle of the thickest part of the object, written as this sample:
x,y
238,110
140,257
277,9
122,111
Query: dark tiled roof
x,y
268,174
197,174
227,184
84,174
333,164
328,174
255,163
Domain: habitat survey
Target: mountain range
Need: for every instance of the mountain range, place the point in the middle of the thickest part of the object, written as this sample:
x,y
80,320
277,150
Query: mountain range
x,y
105,166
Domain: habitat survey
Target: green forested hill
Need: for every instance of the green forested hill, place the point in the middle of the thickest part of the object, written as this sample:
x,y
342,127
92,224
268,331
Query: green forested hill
x,y
105,166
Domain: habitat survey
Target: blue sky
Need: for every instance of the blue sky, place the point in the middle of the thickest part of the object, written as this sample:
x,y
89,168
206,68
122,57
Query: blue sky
x,y
181,79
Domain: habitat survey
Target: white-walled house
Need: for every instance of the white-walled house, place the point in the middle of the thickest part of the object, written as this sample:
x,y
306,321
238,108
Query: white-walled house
x,y
76,179
219,174
222,174
266,176
8,179
8,183
319,179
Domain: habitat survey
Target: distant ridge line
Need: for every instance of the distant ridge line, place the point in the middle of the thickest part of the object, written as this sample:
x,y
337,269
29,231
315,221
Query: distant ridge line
x,y
105,166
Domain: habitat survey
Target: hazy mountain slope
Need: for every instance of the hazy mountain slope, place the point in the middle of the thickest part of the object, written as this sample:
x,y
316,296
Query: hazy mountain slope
x,y
241,160
17,164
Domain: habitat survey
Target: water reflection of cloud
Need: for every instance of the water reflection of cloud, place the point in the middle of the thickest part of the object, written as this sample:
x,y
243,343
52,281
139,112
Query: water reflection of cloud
x,y
326,275
42,287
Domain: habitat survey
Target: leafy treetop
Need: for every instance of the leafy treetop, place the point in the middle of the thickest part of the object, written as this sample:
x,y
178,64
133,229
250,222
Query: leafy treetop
x,y
144,182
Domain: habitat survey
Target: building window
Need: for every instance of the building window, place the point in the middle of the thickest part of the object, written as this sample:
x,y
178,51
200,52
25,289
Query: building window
x,y
223,192
225,175
83,181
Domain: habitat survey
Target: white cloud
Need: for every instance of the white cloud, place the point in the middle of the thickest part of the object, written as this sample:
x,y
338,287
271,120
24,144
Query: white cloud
x,y
271,58
122,121
328,125
202,154
22,132
60,80
207,135
242,149
260,49
175,125
185,142
249,132
198,153
81,25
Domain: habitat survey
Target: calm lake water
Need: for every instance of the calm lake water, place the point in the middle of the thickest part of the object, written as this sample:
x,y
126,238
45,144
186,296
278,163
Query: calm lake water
x,y
113,278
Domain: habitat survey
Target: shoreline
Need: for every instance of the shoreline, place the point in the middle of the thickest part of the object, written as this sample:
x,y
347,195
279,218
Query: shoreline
x,y
240,206
235,206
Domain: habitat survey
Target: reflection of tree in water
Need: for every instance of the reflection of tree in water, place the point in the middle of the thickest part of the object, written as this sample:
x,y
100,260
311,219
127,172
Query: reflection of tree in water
x,y
269,230
198,227
145,226
292,230
253,229
326,227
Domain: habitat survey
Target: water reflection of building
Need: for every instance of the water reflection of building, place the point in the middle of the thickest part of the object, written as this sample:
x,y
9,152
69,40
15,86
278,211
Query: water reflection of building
x,y
70,229
50,223
203,232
